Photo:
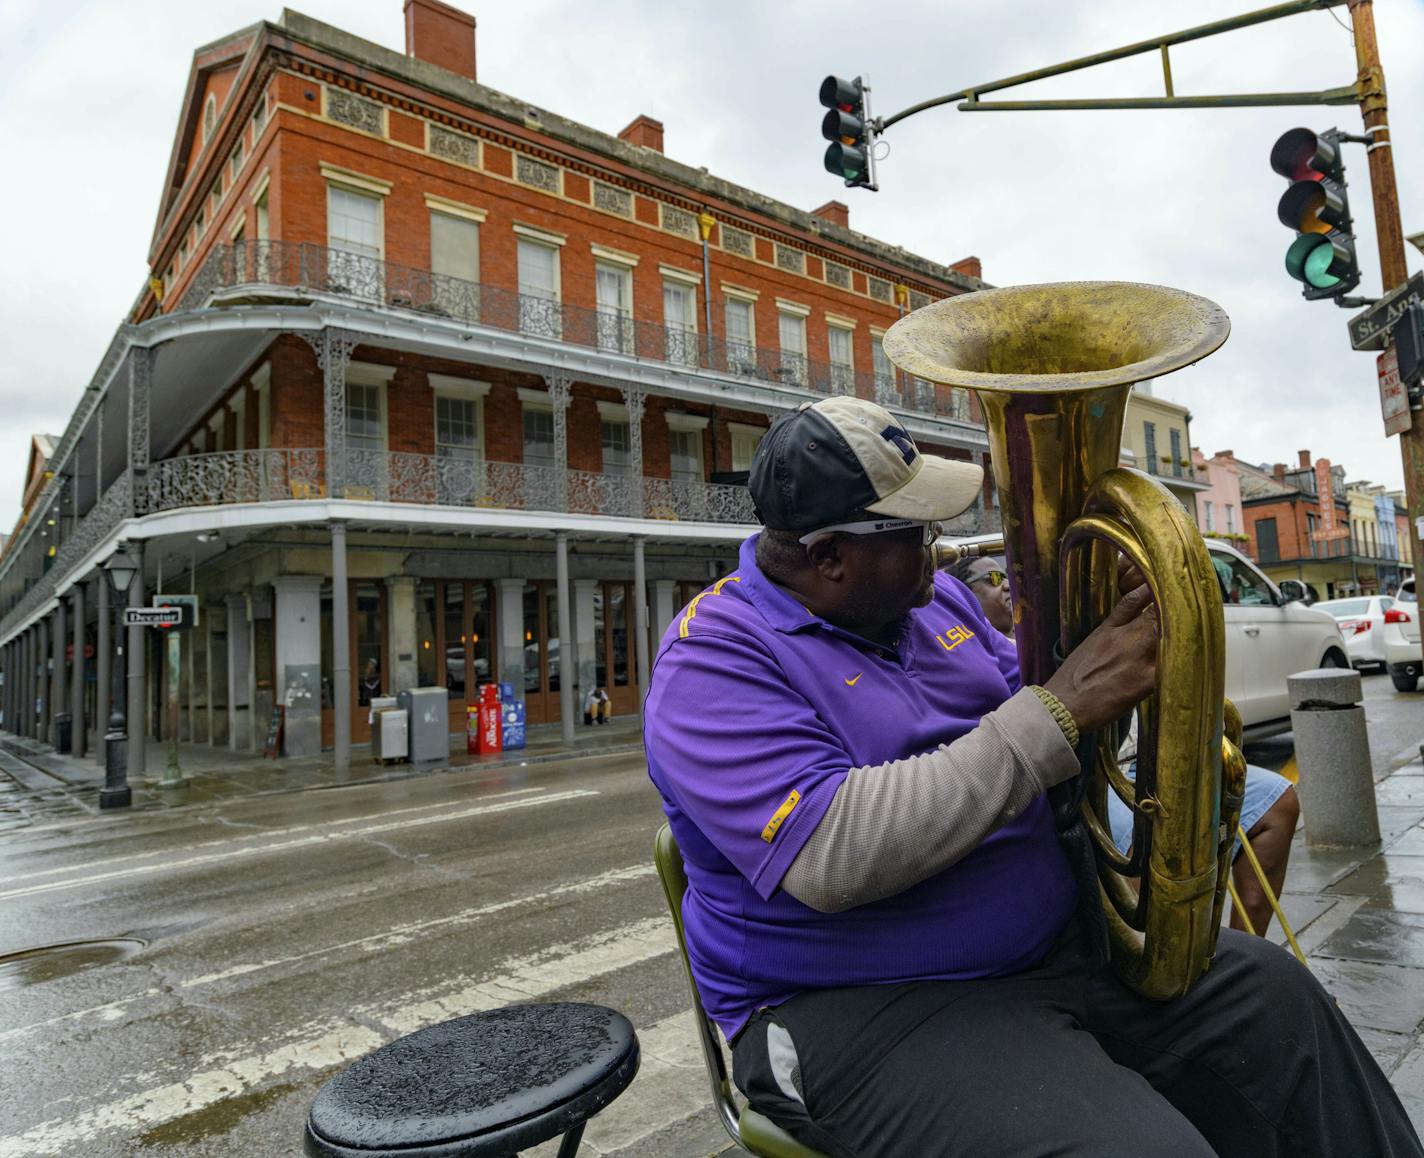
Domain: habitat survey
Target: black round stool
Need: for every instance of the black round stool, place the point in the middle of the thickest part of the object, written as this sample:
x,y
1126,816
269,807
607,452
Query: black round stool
x,y
484,1086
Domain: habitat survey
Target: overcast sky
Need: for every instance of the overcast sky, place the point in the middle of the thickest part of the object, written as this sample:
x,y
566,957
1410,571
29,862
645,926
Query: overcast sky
x,y
90,92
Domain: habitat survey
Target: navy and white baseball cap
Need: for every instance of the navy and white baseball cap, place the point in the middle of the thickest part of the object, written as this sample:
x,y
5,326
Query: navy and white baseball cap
x,y
829,458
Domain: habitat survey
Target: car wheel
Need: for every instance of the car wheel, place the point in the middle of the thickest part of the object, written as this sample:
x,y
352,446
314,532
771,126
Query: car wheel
x,y
1404,683
1334,658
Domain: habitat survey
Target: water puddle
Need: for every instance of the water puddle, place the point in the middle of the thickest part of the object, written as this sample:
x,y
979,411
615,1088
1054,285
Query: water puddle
x,y
49,962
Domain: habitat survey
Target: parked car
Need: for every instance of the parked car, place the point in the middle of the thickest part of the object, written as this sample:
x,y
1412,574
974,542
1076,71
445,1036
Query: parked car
x,y
1368,623
1401,656
1270,634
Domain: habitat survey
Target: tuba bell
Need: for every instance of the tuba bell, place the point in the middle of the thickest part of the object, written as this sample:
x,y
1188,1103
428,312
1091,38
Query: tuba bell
x,y
1053,366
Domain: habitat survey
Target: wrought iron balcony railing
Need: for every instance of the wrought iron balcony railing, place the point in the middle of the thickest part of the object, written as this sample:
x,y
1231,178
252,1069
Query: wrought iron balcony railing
x,y
321,269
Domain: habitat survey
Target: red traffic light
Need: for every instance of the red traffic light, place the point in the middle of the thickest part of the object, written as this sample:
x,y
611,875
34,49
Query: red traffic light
x,y
839,93
1302,155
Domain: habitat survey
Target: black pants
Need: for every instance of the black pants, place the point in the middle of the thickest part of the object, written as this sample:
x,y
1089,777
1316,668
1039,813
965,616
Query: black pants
x,y
1063,1060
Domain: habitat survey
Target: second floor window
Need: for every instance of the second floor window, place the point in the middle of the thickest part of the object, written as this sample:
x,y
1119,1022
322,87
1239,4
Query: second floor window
x,y
617,447
1230,519
1267,543
457,428
538,436
680,322
1177,452
454,247
1149,431
1210,515
353,222
539,289
685,455
363,417
791,329
838,340
741,335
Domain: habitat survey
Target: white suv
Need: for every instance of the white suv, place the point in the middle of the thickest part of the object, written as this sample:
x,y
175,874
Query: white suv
x,y
1270,634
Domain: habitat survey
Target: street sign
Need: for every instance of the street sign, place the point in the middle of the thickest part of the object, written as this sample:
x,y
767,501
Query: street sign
x,y
1370,330
153,616
1394,398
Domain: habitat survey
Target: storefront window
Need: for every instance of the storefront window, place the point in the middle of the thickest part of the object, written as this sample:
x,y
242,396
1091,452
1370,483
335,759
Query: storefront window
x,y
618,632
455,640
370,680
533,636
481,645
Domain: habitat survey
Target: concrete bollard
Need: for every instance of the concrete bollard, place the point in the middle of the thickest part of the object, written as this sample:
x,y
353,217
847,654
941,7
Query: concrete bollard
x,y
1332,751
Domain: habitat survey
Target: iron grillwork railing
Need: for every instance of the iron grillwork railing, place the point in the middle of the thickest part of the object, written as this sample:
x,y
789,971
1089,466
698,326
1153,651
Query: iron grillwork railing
x,y
253,265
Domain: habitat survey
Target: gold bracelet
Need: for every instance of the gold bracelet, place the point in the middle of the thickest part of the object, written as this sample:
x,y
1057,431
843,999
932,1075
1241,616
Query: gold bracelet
x,y
1061,715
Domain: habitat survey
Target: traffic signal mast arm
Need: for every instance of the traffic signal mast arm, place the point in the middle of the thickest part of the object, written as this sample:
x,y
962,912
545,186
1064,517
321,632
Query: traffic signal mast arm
x,y
969,98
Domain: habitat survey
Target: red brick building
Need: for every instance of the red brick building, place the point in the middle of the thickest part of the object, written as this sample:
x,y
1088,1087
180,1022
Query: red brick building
x,y
500,370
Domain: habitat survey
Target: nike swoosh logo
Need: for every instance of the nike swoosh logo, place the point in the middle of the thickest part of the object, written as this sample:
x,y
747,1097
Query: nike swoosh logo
x,y
850,683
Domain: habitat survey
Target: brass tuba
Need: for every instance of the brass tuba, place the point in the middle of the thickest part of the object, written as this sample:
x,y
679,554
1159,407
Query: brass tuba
x,y
1053,366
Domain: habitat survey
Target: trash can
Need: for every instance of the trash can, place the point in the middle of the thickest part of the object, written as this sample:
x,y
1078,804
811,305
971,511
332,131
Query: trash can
x,y
429,718
64,729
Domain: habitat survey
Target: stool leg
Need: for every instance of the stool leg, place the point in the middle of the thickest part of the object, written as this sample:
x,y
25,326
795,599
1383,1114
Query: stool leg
x,y
571,1142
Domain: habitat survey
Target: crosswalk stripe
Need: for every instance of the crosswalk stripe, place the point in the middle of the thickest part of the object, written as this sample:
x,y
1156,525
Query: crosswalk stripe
x,y
322,1045
169,866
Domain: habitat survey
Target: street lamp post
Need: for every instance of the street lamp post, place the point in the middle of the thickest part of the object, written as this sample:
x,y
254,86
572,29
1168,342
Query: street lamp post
x,y
116,793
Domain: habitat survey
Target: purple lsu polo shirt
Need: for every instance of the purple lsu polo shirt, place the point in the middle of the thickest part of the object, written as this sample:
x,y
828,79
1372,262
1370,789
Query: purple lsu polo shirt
x,y
756,712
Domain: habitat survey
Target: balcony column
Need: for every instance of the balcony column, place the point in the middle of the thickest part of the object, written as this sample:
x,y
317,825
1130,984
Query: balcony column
x,y
43,681
510,593
77,732
340,649
560,395
663,608
103,669
140,390
239,659
635,399
333,354
136,656
586,642
640,618
566,685
58,691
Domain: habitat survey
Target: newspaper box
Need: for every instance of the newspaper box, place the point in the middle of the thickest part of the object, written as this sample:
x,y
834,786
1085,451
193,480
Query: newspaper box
x,y
483,731
513,716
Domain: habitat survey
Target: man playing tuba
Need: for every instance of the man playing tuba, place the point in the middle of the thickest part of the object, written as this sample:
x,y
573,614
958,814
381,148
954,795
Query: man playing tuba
x,y
880,913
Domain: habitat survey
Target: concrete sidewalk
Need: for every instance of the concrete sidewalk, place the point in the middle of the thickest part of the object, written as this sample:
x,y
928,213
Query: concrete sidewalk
x,y
37,783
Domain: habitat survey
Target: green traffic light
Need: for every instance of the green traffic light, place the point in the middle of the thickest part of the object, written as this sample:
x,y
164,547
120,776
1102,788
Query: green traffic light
x,y
1314,260
1317,267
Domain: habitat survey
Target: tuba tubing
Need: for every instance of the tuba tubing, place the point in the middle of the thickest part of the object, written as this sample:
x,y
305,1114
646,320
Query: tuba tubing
x,y
1053,366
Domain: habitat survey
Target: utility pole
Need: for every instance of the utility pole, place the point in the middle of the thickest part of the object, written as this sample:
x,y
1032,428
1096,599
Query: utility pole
x,y
1389,231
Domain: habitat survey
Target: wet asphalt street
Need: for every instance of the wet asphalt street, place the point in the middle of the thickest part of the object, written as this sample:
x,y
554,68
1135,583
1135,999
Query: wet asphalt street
x,y
249,949
255,947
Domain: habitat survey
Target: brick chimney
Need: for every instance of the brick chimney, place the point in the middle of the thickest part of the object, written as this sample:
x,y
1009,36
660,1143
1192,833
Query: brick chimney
x,y
836,212
1304,459
644,131
969,266
440,35
1279,471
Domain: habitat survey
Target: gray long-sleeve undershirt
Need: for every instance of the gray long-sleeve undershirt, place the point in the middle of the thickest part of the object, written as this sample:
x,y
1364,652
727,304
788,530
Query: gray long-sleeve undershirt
x,y
892,825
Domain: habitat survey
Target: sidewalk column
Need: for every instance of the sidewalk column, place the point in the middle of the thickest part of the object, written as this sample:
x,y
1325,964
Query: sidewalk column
x,y
640,619
1337,787
36,707
340,649
400,596
58,689
297,641
42,680
136,655
511,633
26,715
566,684
587,641
239,659
259,712
103,669
663,608
12,670
77,729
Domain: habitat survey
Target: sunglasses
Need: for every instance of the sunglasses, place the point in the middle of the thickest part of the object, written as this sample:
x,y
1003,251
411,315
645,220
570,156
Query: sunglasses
x,y
993,578
929,532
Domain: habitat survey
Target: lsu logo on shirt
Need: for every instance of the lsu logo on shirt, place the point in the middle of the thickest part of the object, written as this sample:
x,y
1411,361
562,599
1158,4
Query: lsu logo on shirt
x,y
952,637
